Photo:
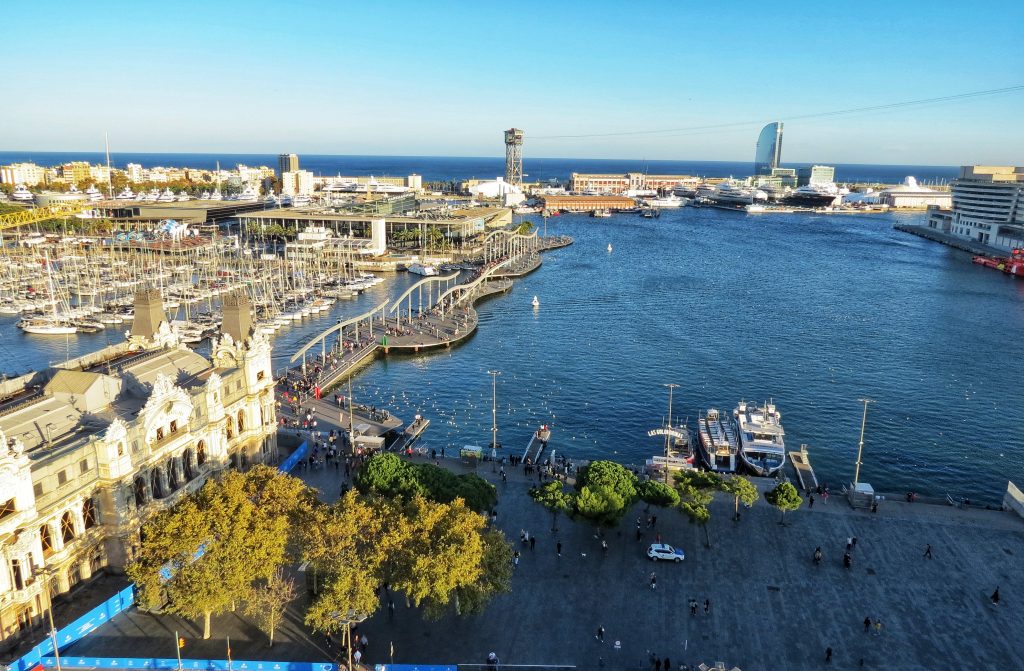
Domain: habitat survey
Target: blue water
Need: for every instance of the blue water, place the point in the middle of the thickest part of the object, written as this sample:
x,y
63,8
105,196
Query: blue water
x,y
444,168
813,311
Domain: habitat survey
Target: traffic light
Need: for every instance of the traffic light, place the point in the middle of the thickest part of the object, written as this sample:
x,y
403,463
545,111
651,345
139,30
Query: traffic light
x,y
181,642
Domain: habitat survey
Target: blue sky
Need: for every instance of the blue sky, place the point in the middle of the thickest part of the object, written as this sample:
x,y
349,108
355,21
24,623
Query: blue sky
x,y
444,78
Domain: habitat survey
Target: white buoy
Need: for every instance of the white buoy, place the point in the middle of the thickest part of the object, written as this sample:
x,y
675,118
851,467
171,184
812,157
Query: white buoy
x,y
536,302
609,247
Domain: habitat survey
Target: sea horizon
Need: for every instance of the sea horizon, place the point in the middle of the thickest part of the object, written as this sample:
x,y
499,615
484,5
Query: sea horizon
x,y
443,168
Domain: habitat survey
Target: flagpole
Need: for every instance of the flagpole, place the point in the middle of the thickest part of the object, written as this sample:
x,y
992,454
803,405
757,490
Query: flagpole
x,y
177,648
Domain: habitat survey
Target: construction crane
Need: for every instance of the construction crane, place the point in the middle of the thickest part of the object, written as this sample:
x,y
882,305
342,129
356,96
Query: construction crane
x,y
34,215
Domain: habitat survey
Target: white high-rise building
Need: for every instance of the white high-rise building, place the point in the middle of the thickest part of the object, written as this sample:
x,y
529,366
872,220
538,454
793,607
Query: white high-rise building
x,y
28,174
988,206
134,172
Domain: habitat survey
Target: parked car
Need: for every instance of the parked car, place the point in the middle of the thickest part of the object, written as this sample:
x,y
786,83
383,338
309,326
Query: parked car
x,y
661,551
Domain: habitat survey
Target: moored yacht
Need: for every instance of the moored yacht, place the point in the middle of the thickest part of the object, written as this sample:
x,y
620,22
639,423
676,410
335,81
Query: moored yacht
x,y
22,194
126,194
166,197
717,442
814,195
298,200
762,448
249,194
424,269
93,194
731,194
670,200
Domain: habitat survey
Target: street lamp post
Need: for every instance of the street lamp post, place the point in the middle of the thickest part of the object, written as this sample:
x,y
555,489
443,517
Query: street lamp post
x,y
671,386
494,417
860,445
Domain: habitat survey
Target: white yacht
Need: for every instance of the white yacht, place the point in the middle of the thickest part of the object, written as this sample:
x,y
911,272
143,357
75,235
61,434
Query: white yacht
x,y
93,194
731,194
424,269
216,195
126,194
284,200
299,200
205,195
166,197
717,444
151,196
670,200
22,194
183,197
762,448
249,194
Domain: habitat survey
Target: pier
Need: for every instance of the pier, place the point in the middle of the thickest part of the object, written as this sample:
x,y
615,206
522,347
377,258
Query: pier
x,y
804,473
540,437
951,240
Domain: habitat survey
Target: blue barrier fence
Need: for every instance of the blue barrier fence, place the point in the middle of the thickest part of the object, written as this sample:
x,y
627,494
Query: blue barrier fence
x,y
299,454
72,662
77,630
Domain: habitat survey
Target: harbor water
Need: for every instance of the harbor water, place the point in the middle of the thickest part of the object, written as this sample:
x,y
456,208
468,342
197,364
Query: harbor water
x,y
811,311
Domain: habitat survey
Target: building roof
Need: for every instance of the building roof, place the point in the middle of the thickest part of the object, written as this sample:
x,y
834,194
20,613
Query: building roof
x,y
181,365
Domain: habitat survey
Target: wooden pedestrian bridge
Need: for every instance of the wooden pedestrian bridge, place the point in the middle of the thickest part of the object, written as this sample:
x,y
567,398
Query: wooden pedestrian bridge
x,y
434,313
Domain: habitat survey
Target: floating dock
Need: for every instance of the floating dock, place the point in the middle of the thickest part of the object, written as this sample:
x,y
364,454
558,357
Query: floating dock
x,y
804,473
411,434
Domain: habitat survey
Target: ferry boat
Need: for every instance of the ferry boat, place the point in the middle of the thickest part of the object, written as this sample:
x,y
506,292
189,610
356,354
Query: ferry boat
x,y
22,194
762,448
717,444
424,269
679,454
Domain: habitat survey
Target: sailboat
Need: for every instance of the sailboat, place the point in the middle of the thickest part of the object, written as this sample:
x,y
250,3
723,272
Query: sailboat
x,y
48,325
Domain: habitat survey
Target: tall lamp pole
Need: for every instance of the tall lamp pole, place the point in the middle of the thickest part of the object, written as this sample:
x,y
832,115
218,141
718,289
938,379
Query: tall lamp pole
x,y
860,445
670,386
494,416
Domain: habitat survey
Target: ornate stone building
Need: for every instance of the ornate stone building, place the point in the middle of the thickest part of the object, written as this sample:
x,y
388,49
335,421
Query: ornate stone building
x,y
90,449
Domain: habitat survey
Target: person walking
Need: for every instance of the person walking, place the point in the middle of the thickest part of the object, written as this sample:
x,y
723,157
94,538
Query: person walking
x,y
666,664
817,555
867,624
533,541
654,581
878,627
828,655
600,634
810,500
995,597
558,548
849,543
693,607
657,663
707,606
928,551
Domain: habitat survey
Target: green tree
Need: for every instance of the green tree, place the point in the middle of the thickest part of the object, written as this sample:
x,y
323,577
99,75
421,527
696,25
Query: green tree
x,y
266,603
205,554
525,228
495,578
784,497
389,475
606,490
741,489
696,492
553,497
656,493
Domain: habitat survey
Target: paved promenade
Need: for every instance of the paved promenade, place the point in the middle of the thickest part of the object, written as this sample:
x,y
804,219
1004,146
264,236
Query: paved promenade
x,y
771,607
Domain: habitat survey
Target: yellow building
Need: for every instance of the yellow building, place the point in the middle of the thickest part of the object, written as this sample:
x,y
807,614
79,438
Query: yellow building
x,y
92,448
600,184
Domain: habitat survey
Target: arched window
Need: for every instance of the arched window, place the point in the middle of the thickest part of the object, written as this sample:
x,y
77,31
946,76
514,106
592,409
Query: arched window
x,y
172,474
263,416
46,539
241,421
230,427
201,452
67,528
155,486
140,491
89,513
188,461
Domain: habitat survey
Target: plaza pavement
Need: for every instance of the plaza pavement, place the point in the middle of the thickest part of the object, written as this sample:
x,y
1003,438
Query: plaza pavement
x,y
771,607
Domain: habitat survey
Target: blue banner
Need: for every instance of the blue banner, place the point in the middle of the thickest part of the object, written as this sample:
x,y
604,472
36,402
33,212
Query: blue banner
x,y
294,458
72,662
77,630
414,667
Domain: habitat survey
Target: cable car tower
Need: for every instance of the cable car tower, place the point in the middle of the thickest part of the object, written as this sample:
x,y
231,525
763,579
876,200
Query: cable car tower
x,y
514,156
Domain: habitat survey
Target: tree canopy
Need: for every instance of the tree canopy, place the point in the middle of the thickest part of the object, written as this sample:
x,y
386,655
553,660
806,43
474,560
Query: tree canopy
x,y
389,475
657,494
784,497
605,491
741,489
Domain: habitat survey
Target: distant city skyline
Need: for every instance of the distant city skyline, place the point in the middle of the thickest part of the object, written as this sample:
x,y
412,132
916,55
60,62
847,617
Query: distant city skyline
x,y
432,80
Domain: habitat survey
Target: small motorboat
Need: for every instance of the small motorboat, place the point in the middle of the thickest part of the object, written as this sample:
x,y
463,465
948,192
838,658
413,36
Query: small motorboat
x,y
536,302
609,247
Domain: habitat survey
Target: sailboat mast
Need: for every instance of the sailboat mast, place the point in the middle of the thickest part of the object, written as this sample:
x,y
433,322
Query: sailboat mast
x,y
110,178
